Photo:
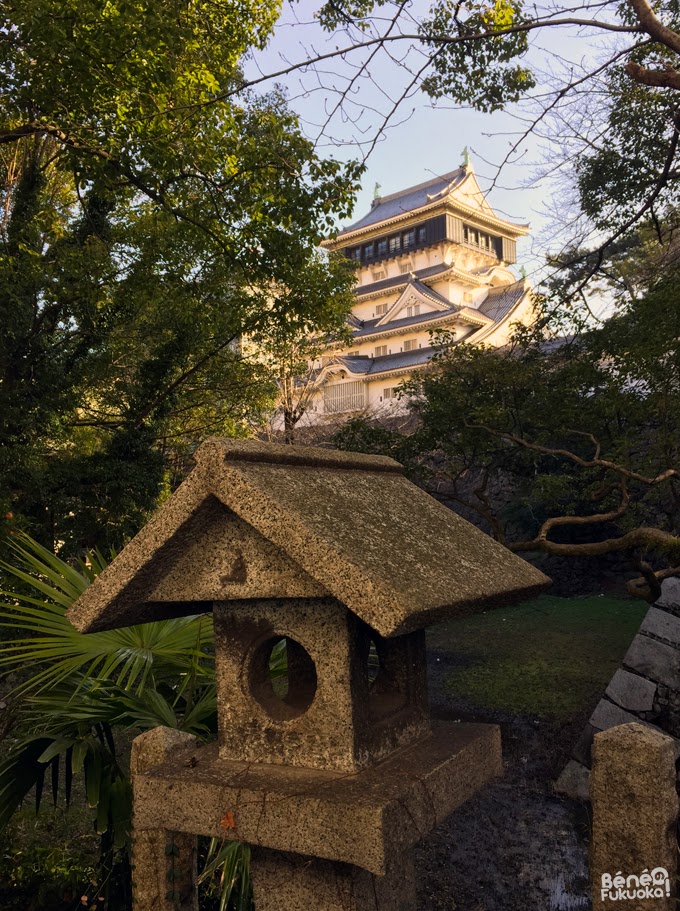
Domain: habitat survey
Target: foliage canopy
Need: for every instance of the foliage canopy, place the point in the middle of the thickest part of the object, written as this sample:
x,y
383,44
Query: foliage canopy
x,y
146,227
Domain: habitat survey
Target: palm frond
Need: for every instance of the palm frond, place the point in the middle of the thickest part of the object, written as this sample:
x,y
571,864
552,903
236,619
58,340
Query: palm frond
x,y
84,686
128,656
87,702
227,870
24,767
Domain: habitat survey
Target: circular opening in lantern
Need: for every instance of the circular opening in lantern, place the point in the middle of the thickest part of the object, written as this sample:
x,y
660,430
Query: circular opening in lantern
x,y
282,678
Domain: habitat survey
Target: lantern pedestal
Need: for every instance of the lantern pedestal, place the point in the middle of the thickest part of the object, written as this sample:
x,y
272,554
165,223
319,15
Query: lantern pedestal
x,y
303,823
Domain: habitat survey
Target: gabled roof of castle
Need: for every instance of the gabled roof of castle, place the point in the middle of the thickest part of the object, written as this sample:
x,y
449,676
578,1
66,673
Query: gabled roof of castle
x,y
398,281
257,520
501,300
371,327
430,292
386,207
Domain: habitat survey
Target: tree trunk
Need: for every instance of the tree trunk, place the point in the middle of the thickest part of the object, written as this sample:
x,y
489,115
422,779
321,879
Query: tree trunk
x,y
289,423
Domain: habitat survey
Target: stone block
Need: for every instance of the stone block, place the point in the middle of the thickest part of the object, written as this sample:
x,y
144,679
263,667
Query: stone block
x,y
156,746
607,715
299,883
662,624
635,806
654,659
574,782
362,819
163,861
670,593
631,691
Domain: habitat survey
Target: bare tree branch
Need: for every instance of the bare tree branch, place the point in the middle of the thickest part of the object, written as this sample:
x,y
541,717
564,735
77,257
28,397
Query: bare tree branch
x,y
595,462
638,537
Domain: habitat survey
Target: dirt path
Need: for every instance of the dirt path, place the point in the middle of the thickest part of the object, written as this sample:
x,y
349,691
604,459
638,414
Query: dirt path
x,y
513,847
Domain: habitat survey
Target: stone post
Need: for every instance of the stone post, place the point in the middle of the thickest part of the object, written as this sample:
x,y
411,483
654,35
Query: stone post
x,y
163,862
635,807
296,883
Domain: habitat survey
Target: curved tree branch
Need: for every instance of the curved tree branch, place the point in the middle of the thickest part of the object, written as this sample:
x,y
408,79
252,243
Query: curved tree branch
x,y
638,537
654,27
595,462
648,585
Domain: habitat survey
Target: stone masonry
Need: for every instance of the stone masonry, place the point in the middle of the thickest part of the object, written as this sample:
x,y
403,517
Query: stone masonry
x,y
646,688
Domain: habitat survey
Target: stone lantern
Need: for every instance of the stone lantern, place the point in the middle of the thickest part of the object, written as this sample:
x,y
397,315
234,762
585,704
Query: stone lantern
x,y
333,773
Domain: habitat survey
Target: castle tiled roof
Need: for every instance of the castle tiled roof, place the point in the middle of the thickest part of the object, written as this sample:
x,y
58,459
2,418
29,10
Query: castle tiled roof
x,y
400,281
497,305
408,200
370,326
500,301
402,360
430,292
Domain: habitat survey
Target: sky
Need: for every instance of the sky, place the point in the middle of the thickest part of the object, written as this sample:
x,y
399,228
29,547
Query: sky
x,y
423,140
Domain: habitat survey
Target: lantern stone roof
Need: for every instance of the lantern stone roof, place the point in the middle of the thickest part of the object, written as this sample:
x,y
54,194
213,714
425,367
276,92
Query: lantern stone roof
x,y
260,521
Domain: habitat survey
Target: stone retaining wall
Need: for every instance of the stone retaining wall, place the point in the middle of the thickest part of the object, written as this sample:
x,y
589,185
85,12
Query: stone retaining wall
x,y
646,688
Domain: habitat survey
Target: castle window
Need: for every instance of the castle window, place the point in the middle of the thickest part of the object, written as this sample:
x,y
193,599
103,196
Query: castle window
x,y
382,248
410,344
422,235
478,238
409,238
380,351
413,310
368,251
355,254
380,309
344,397
377,276
390,392
395,243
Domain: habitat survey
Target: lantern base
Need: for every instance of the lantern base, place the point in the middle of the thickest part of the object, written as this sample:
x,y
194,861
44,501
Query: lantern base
x,y
364,819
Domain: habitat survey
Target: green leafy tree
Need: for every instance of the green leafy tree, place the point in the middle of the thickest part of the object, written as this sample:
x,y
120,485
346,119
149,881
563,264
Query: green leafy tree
x,y
108,338
144,217
132,94
292,351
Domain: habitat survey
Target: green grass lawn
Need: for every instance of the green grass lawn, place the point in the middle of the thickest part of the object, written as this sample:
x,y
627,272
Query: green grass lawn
x,y
549,657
